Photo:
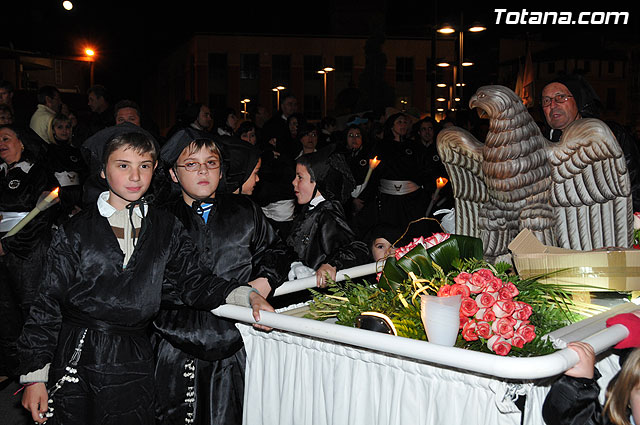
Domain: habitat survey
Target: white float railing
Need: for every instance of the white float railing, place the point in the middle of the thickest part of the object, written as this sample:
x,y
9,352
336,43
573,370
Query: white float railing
x,y
520,368
310,282
592,331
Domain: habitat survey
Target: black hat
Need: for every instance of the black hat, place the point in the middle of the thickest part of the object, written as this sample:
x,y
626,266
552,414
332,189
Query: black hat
x,y
93,147
182,138
240,158
331,173
587,101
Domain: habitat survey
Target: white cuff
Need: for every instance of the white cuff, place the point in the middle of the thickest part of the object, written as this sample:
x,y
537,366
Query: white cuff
x,y
41,375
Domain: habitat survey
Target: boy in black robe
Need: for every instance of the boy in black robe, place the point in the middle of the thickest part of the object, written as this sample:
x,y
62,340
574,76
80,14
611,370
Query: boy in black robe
x,y
87,333
198,353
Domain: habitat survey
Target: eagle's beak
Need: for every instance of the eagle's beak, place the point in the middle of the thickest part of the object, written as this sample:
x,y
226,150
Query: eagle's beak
x,y
472,104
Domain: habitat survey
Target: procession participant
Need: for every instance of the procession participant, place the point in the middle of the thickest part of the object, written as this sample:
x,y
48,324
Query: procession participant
x,y
234,240
320,235
400,187
242,166
108,268
574,399
23,181
65,162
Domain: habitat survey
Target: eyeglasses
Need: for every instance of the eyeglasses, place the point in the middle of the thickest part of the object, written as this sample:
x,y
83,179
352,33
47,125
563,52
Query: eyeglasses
x,y
192,166
559,98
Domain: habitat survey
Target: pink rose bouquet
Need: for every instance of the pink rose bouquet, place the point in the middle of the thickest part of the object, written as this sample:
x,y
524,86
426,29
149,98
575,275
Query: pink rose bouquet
x,y
489,311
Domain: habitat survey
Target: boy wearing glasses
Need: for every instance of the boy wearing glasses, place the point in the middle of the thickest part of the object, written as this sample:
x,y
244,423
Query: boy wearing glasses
x,y
200,357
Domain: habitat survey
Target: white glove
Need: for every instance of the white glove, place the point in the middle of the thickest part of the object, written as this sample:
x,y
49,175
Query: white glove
x,y
448,221
299,270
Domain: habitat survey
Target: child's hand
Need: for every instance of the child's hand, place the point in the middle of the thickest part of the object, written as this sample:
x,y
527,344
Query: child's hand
x,y
35,400
261,284
324,272
584,367
259,303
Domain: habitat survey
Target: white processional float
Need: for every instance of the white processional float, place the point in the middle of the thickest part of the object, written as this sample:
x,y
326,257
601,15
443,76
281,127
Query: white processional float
x,y
574,195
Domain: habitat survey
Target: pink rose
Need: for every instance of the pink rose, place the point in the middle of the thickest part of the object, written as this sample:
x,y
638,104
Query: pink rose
x,y
512,288
485,300
468,306
481,277
493,285
486,314
462,278
499,345
483,329
527,332
463,320
458,289
523,311
505,294
435,239
636,220
469,331
517,341
444,291
503,308
503,326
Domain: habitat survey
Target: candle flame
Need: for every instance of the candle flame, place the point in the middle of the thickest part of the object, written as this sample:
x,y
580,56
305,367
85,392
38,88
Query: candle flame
x,y
441,182
373,162
54,192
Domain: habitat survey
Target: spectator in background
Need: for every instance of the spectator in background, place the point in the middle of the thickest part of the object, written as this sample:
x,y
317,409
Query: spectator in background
x,y
228,120
247,132
101,110
127,110
328,131
49,104
6,114
277,127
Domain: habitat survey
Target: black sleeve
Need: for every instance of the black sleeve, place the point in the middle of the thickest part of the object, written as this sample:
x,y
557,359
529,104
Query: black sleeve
x,y
196,286
573,401
39,338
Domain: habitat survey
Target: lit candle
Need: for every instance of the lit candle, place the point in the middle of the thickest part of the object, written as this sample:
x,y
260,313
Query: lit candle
x,y
41,206
440,183
373,163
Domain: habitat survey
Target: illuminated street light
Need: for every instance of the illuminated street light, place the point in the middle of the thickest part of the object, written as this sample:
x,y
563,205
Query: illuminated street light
x,y
443,64
477,27
441,85
467,63
278,89
244,103
324,71
446,29
67,5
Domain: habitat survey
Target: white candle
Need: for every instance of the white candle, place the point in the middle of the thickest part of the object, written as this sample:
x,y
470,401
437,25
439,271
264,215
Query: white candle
x,y
41,206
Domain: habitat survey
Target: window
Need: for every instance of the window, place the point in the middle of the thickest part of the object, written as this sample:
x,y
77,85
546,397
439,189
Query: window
x,y
218,66
281,69
404,69
249,67
312,64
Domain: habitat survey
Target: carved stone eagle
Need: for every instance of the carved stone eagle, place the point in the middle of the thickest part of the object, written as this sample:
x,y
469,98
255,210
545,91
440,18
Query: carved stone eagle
x,y
573,194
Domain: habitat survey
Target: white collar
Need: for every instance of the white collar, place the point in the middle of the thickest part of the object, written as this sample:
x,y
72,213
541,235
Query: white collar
x,y
315,201
107,210
23,165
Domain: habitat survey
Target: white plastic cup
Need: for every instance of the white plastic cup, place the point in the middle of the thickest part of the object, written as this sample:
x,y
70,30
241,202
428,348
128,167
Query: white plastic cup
x,y
441,318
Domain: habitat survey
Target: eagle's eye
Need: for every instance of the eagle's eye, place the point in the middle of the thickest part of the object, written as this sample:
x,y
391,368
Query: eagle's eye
x,y
481,95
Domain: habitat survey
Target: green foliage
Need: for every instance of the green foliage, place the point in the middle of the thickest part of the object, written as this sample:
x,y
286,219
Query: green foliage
x,y
418,272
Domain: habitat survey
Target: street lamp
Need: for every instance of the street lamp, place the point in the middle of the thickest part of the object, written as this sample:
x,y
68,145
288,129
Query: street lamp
x,y
244,103
278,89
90,54
461,62
324,71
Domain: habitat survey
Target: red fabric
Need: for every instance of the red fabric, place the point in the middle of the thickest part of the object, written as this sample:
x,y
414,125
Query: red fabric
x,y
631,322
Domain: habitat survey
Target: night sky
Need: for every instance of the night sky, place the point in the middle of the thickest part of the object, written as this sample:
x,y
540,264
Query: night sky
x,y
132,35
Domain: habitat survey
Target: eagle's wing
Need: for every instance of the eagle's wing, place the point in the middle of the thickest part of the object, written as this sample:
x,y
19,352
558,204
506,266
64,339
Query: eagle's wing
x,y
461,154
591,190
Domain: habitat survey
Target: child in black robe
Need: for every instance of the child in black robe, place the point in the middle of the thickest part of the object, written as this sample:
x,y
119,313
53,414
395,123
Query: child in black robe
x,y
107,269
198,353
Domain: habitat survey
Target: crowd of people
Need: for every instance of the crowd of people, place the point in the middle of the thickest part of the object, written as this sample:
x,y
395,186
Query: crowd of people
x,y
105,296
